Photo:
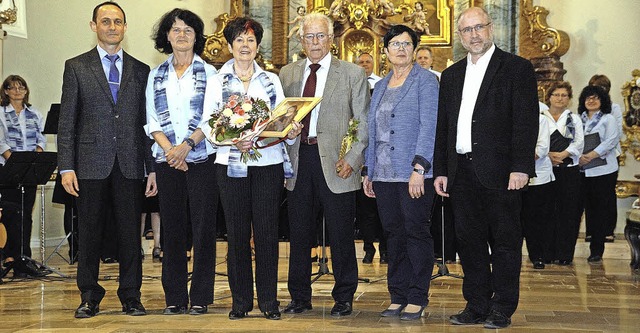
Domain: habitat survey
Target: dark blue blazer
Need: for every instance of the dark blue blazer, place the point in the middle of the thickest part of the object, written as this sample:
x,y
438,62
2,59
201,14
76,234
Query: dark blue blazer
x,y
413,123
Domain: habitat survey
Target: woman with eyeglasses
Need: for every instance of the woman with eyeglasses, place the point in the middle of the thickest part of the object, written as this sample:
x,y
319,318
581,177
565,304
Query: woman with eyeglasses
x,y
565,148
398,160
20,130
600,166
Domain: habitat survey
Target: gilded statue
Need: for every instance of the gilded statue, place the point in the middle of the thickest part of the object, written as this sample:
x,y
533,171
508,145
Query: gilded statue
x,y
9,15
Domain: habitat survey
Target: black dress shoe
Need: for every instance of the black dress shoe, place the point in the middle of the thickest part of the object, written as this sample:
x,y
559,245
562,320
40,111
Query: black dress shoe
x,y
413,315
497,320
109,260
383,258
298,307
133,307
87,310
235,314
341,309
594,258
368,257
393,312
198,309
538,264
564,262
467,317
272,315
175,310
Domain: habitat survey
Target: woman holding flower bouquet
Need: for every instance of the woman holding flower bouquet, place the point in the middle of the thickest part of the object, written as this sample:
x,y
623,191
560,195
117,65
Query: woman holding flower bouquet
x,y
185,169
402,125
250,179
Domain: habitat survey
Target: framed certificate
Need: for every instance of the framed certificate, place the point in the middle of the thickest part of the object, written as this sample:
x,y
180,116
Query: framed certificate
x,y
292,109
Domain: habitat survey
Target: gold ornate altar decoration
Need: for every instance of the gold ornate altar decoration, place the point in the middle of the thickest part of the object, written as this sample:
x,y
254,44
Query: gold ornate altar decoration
x,y
359,26
631,118
542,45
9,15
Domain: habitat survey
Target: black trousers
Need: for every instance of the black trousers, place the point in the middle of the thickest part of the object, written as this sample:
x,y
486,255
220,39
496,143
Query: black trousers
x,y
369,223
339,214
600,208
410,255
566,200
252,202
536,219
487,218
96,197
18,226
192,193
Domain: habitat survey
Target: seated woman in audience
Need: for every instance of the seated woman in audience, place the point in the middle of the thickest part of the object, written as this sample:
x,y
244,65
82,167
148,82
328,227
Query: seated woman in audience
x,y
20,130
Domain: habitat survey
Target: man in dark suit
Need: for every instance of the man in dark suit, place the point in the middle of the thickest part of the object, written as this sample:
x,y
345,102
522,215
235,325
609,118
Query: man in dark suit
x,y
319,173
102,151
484,155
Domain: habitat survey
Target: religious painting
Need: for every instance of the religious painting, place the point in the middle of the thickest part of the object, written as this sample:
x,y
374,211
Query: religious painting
x,y
291,109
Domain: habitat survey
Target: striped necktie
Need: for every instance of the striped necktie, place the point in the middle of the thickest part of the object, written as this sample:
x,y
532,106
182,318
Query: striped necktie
x,y
114,76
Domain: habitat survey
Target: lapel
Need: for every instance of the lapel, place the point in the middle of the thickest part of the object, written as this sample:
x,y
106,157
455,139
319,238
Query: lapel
x,y
332,79
406,86
298,76
95,63
127,73
494,64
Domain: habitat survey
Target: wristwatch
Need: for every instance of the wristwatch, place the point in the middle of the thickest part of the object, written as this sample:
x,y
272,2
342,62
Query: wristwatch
x,y
419,171
190,143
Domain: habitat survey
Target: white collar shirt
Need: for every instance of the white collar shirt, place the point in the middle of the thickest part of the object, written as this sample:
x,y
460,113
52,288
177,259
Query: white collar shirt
x,y
472,81
321,75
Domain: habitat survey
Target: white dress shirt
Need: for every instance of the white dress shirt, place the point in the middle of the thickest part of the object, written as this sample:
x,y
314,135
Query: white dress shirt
x,y
321,75
472,82
544,168
271,155
609,137
373,79
179,91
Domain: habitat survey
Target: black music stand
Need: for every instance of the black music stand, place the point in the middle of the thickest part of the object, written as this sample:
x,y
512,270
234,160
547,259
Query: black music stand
x,y
442,265
27,169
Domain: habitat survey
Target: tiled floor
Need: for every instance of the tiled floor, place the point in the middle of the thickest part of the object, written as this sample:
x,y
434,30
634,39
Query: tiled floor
x,y
578,298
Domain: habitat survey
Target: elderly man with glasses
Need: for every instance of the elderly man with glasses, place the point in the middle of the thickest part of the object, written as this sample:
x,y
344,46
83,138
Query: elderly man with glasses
x,y
319,174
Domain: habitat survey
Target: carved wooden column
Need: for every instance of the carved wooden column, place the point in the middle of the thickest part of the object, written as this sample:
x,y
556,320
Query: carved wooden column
x,y
542,45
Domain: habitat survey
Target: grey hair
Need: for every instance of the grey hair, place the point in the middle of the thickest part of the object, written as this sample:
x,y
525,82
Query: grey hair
x,y
313,17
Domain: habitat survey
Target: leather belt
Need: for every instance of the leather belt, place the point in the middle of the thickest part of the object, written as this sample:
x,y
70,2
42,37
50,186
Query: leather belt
x,y
466,156
310,141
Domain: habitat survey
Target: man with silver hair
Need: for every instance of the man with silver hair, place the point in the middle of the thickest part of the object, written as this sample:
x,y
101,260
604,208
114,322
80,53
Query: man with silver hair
x,y
319,174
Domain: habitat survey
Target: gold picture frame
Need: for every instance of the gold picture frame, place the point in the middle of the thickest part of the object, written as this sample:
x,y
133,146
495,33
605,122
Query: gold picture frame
x,y
631,118
291,109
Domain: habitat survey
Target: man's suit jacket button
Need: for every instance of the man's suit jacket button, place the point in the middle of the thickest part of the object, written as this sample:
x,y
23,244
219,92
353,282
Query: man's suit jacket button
x,y
392,132
393,115
117,116
393,148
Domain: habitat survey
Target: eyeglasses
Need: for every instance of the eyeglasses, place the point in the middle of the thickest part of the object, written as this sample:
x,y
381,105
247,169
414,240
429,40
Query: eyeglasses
x,y
187,31
397,45
593,98
477,28
321,36
18,89
560,95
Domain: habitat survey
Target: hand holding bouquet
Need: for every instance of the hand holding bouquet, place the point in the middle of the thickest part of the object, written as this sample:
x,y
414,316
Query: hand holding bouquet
x,y
242,118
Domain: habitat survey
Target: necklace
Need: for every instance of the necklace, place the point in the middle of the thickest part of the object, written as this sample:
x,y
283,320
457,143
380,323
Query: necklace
x,y
246,77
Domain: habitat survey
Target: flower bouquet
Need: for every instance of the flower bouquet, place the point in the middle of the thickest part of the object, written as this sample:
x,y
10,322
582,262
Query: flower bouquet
x,y
241,118
348,139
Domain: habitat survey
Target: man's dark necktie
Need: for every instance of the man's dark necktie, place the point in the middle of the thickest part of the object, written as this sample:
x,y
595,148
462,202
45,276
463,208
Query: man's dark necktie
x,y
114,76
309,91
